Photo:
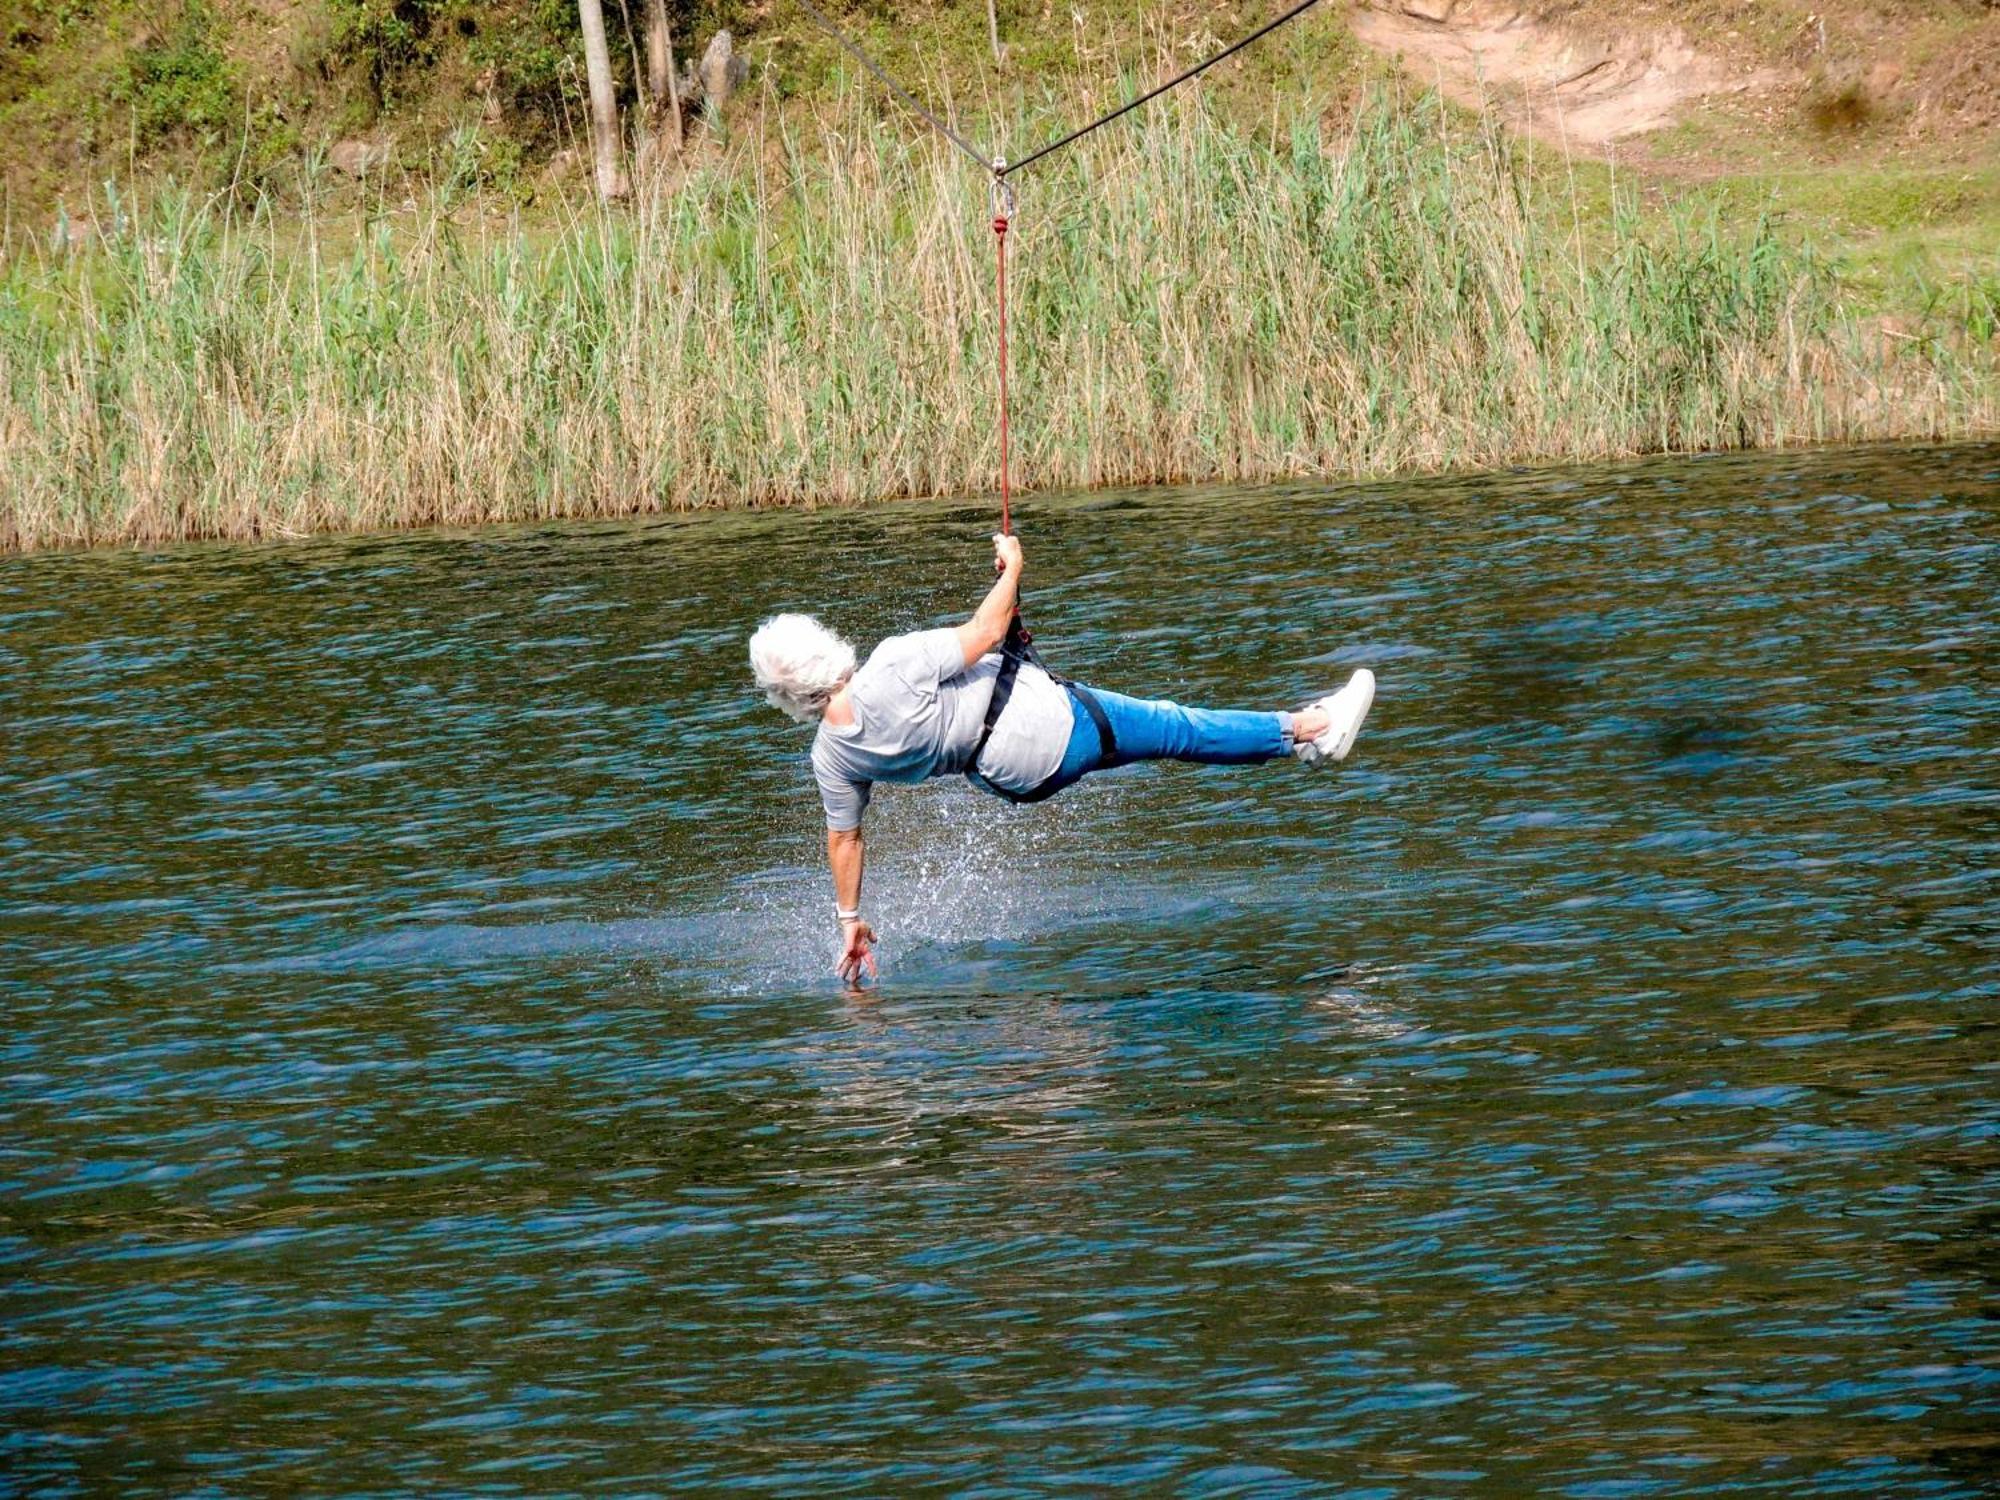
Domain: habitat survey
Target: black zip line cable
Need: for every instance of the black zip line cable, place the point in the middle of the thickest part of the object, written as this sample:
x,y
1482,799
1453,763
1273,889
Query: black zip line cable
x,y
1153,93
1002,170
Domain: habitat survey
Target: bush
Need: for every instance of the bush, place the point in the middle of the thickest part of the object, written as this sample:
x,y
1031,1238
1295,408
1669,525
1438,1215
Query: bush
x,y
180,81
384,38
536,59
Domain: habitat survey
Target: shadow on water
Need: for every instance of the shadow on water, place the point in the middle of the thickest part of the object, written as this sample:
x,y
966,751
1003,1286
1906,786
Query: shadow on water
x,y
423,1067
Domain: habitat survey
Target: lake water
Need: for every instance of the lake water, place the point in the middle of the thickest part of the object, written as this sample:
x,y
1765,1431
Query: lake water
x,y
423,1069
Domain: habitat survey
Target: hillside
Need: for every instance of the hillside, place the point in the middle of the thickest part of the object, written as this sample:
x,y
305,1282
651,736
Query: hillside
x,y
1879,125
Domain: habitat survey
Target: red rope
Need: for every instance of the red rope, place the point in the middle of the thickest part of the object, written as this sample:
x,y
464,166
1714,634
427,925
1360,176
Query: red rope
x,y
1006,483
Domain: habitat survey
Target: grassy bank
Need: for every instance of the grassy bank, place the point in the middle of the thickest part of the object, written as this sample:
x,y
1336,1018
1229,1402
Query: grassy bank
x,y
1194,301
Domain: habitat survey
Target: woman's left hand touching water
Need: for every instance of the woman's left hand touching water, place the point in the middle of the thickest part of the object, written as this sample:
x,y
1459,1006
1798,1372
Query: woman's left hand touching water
x,y
857,950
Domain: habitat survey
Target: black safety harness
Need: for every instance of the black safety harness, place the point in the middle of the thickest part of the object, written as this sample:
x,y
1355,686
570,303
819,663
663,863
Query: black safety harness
x,y
1016,650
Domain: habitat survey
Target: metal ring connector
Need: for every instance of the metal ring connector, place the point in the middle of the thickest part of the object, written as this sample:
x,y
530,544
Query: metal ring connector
x,y
1002,191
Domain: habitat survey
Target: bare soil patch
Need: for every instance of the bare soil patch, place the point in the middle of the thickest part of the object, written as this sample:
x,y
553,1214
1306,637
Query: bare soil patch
x,y
1545,77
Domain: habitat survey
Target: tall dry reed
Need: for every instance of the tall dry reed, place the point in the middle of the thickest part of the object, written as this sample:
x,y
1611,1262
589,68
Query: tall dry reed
x,y
1192,302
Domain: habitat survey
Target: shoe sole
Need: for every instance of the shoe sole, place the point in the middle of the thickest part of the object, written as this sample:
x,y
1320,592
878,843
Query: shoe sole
x,y
1347,716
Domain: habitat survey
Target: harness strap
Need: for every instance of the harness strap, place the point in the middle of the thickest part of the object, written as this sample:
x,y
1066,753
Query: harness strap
x,y
1003,692
1106,740
1016,650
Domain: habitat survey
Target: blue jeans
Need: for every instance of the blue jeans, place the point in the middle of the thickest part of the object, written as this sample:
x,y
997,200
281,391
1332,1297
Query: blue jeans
x,y
1154,729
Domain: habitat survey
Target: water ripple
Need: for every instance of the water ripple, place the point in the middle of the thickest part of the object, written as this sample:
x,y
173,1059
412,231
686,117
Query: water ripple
x,y
422,1068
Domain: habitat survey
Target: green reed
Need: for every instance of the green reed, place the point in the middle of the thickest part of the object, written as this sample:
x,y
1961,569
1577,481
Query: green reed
x,y
812,322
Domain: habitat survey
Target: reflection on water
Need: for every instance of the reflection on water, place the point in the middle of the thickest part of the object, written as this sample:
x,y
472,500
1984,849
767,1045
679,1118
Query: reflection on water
x,y
422,1067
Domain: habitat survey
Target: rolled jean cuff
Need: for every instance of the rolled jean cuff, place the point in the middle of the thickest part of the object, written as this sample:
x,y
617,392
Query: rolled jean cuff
x,y
1285,729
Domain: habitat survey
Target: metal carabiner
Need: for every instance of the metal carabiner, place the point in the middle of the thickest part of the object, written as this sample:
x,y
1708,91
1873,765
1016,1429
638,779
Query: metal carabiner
x,y
1002,193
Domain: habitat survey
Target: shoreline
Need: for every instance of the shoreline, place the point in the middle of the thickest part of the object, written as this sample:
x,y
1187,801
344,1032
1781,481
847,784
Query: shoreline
x,y
1027,501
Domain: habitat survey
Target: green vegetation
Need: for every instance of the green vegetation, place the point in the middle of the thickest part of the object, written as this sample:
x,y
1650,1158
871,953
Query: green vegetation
x,y
216,321
180,81
384,39
1193,301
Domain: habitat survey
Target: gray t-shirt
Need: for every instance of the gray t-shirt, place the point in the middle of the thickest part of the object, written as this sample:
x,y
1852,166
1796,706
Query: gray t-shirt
x,y
918,712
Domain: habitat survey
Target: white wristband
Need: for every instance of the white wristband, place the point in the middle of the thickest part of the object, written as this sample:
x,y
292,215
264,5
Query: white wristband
x,y
841,913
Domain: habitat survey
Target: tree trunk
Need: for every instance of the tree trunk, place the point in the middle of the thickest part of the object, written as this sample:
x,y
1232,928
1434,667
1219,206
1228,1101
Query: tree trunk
x,y
632,42
605,141
661,79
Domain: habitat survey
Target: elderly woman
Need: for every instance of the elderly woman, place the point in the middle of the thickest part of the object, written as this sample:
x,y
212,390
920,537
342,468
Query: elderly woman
x,y
967,699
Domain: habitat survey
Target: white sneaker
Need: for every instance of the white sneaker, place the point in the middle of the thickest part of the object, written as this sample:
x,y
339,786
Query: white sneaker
x,y
1344,711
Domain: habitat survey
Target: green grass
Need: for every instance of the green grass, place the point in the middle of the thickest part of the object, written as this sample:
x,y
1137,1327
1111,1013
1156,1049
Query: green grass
x,y
813,323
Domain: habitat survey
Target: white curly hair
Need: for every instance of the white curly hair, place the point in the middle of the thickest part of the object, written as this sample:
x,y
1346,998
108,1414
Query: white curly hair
x,y
799,664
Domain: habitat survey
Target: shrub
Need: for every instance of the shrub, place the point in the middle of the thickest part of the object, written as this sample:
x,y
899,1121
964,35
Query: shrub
x,y
383,38
180,81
